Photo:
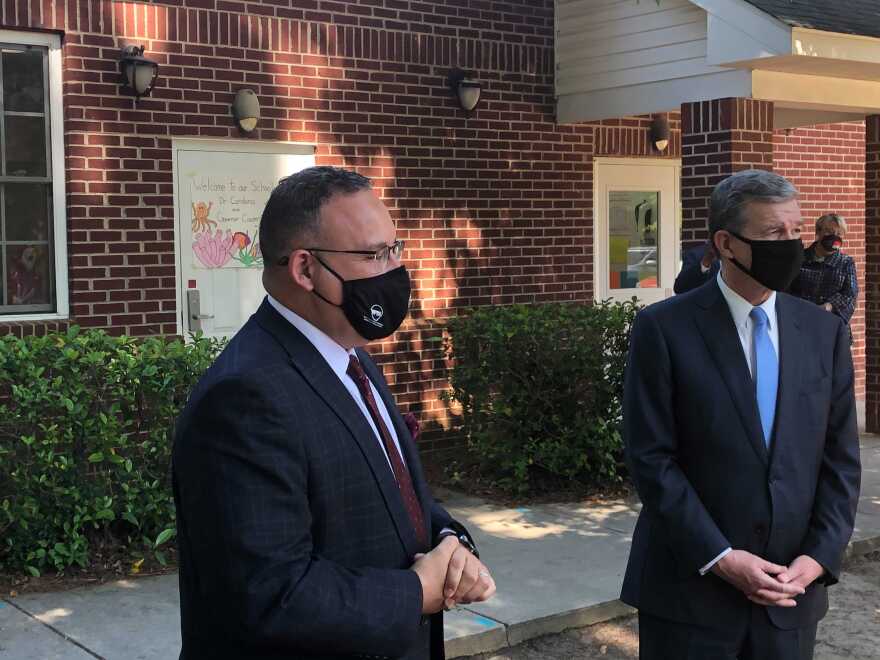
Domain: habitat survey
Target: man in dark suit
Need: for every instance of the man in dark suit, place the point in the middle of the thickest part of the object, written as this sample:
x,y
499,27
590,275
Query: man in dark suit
x,y
740,431
305,526
700,264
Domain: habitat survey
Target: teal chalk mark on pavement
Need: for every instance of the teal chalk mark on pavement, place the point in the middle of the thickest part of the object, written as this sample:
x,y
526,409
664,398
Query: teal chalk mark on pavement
x,y
483,621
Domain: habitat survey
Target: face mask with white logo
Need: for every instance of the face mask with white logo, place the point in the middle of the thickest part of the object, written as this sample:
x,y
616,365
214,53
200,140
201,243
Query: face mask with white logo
x,y
375,306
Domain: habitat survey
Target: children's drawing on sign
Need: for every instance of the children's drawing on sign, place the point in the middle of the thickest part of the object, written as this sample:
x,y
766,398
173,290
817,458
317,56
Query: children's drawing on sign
x,y
213,250
249,254
201,221
226,212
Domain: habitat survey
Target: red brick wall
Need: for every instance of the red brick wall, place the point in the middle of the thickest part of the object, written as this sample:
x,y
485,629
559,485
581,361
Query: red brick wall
x,y
872,271
719,138
496,207
827,164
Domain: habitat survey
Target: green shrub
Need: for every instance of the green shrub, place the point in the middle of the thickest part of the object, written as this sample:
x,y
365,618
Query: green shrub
x,y
85,429
540,389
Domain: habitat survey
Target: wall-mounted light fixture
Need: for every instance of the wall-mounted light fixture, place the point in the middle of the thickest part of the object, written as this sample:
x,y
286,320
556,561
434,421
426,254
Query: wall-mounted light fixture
x,y
138,73
466,90
660,132
246,110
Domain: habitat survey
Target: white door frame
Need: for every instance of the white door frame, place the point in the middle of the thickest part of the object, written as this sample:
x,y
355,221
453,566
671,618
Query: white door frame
x,y
189,144
600,249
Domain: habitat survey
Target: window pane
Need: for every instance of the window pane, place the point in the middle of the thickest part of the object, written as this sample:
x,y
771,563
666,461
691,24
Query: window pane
x,y
634,258
26,211
25,146
28,271
23,81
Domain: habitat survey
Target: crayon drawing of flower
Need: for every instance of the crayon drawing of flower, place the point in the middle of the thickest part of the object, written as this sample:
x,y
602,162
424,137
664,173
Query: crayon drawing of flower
x,y
213,250
248,251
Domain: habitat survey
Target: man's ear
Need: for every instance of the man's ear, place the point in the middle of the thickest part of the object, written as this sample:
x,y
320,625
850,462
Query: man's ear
x,y
300,269
722,244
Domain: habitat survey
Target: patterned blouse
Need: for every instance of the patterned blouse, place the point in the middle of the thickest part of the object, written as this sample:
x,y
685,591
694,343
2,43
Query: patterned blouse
x,y
829,280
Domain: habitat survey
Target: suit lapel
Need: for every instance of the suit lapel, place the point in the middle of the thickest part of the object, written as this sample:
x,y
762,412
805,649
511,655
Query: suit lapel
x,y
719,332
791,348
306,359
407,444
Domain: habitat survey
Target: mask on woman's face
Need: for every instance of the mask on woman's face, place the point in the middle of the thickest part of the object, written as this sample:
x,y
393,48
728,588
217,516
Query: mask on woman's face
x,y
831,242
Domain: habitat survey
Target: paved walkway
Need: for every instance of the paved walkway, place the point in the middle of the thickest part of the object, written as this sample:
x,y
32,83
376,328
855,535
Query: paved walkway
x,y
557,566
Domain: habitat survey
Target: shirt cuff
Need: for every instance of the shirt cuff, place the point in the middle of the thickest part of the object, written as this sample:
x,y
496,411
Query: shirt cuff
x,y
709,566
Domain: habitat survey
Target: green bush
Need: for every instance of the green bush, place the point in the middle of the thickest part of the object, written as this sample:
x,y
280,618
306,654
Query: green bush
x,y
540,390
85,429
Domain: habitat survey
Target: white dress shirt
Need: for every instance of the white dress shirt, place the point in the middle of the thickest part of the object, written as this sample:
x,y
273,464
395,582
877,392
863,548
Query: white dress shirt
x,y
337,358
740,310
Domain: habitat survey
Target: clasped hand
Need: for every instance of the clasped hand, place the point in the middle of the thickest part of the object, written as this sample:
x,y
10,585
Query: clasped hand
x,y
451,575
766,583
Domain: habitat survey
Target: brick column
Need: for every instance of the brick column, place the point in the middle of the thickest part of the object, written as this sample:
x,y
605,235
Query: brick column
x,y
719,138
872,273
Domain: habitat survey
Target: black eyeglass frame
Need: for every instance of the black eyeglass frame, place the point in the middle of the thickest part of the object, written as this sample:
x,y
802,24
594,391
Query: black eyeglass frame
x,y
396,247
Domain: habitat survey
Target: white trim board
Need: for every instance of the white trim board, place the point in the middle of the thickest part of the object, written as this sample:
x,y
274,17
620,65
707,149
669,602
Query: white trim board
x,y
59,197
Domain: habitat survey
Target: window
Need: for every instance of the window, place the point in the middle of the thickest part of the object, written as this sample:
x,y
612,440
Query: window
x,y
32,224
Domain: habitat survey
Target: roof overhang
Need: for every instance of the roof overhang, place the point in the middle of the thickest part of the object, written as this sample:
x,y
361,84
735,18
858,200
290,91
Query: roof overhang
x,y
812,76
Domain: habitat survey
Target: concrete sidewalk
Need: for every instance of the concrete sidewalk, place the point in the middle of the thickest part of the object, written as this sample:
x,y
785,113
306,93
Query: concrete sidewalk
x,y
557,566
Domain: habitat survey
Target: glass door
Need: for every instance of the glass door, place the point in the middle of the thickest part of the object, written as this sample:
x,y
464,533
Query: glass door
x,y
636,241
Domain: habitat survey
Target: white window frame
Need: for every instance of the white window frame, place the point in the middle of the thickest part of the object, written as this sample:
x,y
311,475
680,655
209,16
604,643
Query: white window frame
x,y
59,199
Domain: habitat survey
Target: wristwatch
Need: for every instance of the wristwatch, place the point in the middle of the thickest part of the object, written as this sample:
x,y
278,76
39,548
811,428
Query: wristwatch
x,y
464,539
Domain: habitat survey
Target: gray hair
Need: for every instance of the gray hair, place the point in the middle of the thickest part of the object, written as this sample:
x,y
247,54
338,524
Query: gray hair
x,y
831,217
732,195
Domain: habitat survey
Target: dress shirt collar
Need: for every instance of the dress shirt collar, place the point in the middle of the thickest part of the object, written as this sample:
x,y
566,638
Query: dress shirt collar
x,y
740,308
334,354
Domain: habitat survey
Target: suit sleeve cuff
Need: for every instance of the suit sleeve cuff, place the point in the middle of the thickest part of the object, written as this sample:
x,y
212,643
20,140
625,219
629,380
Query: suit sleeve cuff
x,y
709,566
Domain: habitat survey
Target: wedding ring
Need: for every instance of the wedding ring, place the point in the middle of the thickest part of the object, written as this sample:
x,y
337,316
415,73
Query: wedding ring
x,y
484,574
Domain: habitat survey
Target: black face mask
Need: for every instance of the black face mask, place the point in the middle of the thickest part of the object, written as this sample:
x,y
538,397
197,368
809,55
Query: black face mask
x,y
775,264
832,242
375,306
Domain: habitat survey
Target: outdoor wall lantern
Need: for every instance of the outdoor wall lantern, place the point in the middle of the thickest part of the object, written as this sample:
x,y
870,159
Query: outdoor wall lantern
x,y
138,73
660,133
246,110
467,91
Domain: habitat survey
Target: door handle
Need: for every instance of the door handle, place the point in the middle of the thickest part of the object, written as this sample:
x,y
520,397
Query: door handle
x,y
194,304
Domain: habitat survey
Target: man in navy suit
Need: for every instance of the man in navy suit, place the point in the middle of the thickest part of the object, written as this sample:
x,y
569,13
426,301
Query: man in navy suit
x,y
305,526
741,437
700,264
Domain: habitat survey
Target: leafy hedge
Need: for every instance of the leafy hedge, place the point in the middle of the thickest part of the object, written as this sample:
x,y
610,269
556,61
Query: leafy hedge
x,y
540,389
85,444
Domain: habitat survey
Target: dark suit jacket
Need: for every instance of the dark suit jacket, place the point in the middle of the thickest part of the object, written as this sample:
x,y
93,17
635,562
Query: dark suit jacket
x,y
293,538
692,275
696,452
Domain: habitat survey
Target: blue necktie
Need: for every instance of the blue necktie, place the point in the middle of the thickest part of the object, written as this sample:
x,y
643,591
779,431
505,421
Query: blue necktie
x,y
766,371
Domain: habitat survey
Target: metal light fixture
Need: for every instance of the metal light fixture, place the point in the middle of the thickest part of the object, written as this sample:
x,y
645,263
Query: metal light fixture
x,y
246,110
468,91
138,73
660,132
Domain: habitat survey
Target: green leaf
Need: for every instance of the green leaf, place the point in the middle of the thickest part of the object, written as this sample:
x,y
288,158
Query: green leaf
x,y
33,571
164,536
97,457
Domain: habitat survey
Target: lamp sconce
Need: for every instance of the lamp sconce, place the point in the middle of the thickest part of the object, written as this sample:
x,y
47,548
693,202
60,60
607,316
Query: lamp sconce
x,y
660,133
246,110
138,72
466,90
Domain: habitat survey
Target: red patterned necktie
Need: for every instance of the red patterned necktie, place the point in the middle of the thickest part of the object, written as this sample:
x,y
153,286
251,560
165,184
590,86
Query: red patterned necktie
x,y
401,474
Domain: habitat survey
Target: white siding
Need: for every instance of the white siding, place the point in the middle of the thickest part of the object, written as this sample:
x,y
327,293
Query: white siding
x,y
608,44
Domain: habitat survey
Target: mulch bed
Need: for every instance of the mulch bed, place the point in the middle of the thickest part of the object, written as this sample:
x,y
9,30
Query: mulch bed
x,y
108,565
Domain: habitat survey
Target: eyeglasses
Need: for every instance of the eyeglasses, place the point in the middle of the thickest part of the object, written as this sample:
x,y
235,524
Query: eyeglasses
x,y
382,255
